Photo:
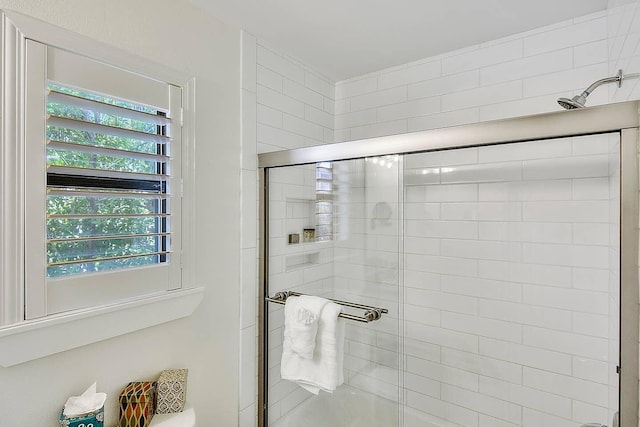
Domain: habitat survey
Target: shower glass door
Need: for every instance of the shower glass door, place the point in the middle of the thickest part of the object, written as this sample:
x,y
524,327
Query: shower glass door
x,y
511,284
333,231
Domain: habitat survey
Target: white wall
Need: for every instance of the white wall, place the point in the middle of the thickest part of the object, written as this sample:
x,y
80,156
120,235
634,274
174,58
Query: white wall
x,y
190,40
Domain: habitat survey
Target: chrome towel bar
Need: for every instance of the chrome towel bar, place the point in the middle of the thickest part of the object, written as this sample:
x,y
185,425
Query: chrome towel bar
x,y
370,313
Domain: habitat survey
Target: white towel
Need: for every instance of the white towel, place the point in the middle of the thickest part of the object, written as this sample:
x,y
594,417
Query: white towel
x,y
301,315
325,370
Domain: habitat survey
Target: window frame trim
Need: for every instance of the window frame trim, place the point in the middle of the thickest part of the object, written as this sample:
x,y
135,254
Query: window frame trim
x,y
15,30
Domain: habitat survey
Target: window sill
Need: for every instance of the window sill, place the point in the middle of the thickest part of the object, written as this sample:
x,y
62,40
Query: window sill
x,y
31,340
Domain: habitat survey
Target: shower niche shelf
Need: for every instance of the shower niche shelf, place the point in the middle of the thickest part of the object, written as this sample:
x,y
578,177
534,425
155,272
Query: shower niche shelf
x,y
303,260
300,218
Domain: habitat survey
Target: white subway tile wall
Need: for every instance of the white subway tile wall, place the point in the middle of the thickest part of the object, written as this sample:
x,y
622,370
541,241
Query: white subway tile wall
x,y
295,104
513,334
447,90
513,76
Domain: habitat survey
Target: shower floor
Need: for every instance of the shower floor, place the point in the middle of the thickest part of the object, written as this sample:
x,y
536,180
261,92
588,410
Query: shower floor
x,y
346,407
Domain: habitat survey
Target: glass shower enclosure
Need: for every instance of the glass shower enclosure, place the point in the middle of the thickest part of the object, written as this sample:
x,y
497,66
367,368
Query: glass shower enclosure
x,y
487,273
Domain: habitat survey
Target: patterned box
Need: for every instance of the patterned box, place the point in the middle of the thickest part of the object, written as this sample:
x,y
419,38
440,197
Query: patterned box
x,y
137,401
172,391
95,419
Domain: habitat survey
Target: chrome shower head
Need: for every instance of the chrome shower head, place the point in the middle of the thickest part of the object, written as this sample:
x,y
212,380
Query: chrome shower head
x,y
573,103
579,101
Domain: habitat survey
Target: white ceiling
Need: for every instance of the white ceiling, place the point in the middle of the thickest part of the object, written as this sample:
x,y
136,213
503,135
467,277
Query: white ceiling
x,y
346,38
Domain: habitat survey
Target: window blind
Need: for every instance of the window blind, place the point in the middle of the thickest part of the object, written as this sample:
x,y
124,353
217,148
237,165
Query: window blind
x,y
108,175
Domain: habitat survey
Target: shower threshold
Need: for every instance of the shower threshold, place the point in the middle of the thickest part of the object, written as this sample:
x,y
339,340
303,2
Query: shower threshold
x,y
346,407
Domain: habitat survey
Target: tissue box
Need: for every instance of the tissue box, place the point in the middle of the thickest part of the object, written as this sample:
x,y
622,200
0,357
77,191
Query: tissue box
x,y
137,401
171,391
95,419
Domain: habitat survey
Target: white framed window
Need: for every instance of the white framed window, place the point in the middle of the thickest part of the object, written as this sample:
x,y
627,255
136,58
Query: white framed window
x,y
95,189
102,190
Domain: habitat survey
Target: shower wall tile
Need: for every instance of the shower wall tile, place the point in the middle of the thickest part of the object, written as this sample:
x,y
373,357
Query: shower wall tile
x,y
527,67
442,301
526,190
478,249
592,370
487,421
542,232
269,116
249,129
441,373
576,79
279,101
583,346
527,273
483,57
303,94
441,409
518,394
536,418
441,158
443,85
409,73
482,327
356,87
402,110
526,314
566,211
379,98
319,117
482,211
591,189
578,167
248,417
482,403
485,95
295,103
444,119
379,129
583,412
591,324
269,79
590,53
526,151
268,58
591,279
442,337
320,85
575,388
565,298
524,355
490,289
577,34
522,107
422,385
248,367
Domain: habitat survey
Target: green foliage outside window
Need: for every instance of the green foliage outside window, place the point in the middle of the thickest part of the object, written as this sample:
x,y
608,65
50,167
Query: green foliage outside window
x,y
119,215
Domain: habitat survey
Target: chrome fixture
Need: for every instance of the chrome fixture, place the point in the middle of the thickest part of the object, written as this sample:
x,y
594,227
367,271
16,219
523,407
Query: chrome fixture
x,y
579,101
370,314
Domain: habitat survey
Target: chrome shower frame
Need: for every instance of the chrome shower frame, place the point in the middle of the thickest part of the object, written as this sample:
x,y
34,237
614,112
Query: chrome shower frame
x,y
622,118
